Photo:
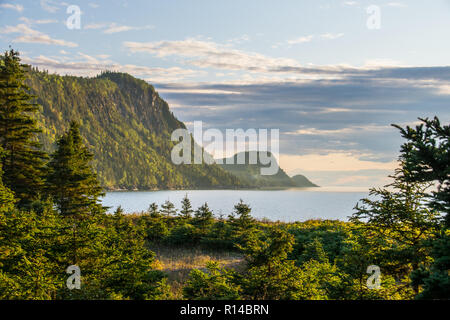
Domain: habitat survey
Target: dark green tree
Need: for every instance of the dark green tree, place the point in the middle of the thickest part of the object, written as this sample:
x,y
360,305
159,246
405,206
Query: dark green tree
x,y
401,217
168,209
71,181
153,210
216,284
23,162
6,196
203,220
426,158
241,222
186,208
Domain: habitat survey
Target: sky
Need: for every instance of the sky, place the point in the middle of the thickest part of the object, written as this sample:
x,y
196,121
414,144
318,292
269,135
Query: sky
x,y
331,75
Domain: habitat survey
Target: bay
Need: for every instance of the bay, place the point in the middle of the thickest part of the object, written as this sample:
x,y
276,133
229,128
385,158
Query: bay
x,y
284,205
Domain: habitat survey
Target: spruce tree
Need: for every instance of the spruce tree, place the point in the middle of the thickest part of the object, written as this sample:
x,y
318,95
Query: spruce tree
x,y
23,162
71,181
186,208
6,196
168,209
426,158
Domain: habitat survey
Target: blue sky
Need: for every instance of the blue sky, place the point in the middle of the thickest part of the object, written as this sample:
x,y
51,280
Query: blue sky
x,y
313,69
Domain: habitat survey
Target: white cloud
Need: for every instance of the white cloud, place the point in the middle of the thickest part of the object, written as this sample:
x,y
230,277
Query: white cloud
x,y
17,7
303,39
350,3
32,21
115,28
87,65
331,36
29,35
207,54
49,5
95,26
396,4
343,131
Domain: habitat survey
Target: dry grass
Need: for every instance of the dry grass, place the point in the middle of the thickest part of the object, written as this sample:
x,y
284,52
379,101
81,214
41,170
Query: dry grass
x,y
177,262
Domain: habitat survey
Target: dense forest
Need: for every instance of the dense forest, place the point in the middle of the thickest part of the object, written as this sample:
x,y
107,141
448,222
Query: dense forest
x,y
127,124
51,218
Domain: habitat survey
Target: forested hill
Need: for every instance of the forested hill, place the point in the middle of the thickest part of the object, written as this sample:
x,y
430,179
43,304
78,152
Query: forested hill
x,y
126,125
250,174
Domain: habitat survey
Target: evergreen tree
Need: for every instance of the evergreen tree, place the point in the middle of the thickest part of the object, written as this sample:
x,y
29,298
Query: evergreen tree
x,y
426,157
186,208
6,196
168,209
400,215
153,210
23,162
71,180
203,218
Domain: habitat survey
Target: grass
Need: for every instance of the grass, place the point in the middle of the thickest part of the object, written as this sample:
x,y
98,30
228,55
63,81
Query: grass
x,y
177,262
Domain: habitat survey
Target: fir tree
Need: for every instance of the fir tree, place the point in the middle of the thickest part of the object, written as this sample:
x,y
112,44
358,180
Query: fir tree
x,y
6,196
153,210
186,208
23,162
71,180
168,209
426,158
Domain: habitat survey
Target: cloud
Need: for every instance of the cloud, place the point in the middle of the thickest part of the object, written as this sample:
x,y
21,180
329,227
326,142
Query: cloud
x,y
350,114
29,35
397,4
95,26
17,7
110,28
87,65
32,21
350,3
50,5
303,39
333,162
331,36
113,28
207,54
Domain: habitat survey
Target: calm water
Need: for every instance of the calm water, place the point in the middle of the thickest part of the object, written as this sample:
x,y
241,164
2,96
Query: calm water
x,y
283,205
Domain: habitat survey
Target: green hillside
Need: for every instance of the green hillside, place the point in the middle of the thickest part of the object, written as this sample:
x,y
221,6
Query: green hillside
x,y
126,125
302,182
250,175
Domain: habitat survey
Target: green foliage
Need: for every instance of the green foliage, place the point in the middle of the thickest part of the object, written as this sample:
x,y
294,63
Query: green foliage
x,y
186,208
22,161
250,174
426,158
71,181
214,284
168,209
127,124
401,218
7,200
